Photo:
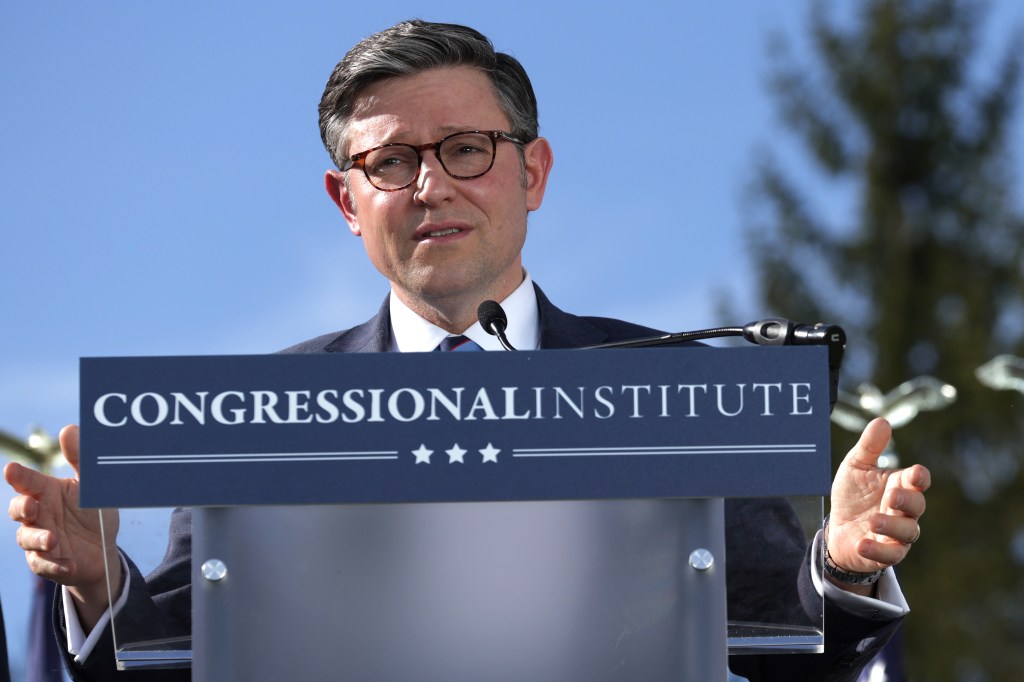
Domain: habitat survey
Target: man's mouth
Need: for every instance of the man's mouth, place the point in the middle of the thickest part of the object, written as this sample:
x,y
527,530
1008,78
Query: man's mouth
x,y
442,233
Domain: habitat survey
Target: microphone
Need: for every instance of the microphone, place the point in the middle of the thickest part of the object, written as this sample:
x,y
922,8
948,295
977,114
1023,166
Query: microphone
x,y
494,321
773,331
776,331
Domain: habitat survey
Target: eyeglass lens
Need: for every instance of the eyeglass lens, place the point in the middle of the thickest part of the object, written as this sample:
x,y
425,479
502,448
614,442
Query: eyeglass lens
x,y
465,155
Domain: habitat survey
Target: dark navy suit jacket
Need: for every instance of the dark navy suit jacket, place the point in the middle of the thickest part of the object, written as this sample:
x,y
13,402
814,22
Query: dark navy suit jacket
x,y
5,672
764,546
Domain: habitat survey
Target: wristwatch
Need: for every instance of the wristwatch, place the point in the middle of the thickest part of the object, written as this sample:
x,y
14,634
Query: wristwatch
x,y
848,577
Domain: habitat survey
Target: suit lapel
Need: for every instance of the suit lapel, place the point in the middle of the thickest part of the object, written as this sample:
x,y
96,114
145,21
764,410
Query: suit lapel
x,y
560,329
372,336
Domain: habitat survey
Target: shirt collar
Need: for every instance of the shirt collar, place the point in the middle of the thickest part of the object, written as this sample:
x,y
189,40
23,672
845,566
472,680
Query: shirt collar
x,y
411,333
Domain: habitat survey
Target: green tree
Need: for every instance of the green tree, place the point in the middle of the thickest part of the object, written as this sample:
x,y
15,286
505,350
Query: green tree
x,y
913,242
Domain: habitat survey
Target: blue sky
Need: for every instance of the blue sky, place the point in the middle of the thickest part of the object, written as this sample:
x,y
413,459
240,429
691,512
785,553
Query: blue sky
x,y
161,176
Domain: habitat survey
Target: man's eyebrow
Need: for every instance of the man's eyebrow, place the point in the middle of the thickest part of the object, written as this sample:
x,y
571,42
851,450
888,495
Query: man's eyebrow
x,y
437,133
404,135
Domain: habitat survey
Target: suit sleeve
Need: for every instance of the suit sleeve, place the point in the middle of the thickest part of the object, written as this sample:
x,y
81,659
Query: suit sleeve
x,y
768,571
157,607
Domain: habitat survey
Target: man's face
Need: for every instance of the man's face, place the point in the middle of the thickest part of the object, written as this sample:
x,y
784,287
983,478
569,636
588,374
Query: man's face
x,y
441,241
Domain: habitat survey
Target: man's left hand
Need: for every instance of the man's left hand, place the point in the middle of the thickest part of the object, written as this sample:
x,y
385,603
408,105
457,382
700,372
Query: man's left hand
x,y
875,512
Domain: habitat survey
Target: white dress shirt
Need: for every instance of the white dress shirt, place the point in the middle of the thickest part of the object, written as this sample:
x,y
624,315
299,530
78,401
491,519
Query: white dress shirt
x,y
411,333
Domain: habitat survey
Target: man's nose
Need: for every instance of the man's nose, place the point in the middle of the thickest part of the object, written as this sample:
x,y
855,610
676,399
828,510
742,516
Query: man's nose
x,y
434,183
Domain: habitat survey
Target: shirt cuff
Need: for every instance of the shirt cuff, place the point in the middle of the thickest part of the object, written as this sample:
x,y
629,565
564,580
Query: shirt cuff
x,y
888,604
79,645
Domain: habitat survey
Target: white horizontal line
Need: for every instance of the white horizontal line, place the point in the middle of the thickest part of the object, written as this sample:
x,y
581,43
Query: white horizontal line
x,y
677,448
172,457
248,457
659,452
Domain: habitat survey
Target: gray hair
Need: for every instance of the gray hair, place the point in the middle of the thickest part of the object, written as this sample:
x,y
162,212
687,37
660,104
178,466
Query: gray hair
x,y
409,48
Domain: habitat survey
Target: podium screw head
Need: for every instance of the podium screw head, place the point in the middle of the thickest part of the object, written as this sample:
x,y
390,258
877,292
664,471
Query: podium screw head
x,y
214,570
701,559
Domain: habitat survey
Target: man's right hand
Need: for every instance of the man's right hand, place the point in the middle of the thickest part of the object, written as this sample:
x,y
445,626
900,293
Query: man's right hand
x,y
62,541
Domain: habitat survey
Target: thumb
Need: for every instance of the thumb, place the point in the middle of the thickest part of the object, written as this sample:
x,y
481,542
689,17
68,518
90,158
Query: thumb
x,y
871,444
69,445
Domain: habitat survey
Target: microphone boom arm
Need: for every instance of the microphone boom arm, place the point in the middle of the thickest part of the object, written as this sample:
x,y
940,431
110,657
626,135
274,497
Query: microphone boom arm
x,y
773,331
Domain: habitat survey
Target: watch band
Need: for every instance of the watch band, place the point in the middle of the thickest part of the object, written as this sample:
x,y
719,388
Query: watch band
x,y
835,571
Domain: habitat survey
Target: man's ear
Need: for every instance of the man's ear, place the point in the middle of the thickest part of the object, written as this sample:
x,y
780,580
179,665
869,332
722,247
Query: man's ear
x,y
334,182
538,159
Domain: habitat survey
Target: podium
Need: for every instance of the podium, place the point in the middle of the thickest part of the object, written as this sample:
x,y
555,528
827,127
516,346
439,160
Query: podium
x,y
563,518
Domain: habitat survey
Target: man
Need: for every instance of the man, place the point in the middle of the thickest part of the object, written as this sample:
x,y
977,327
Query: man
x,y
438,165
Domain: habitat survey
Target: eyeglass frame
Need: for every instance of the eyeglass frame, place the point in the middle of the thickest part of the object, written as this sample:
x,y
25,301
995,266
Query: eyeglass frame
x,y
493,135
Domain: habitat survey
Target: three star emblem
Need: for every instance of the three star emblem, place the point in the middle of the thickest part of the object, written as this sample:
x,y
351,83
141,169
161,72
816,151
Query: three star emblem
x,y
457,454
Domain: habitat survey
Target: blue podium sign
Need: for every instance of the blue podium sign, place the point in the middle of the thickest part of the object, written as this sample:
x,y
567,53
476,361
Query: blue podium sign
x,y
442,427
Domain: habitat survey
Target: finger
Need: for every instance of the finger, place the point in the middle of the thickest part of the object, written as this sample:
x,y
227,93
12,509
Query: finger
x,y
917,477
884,553
69,445
871,444
35,539
902,529
23,509
24,480
49,567
906,502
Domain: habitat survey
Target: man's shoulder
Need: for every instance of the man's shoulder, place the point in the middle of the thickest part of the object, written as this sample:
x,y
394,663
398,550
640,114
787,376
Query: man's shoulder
x,y
615,329
372,336
315,345
561,329
367,337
